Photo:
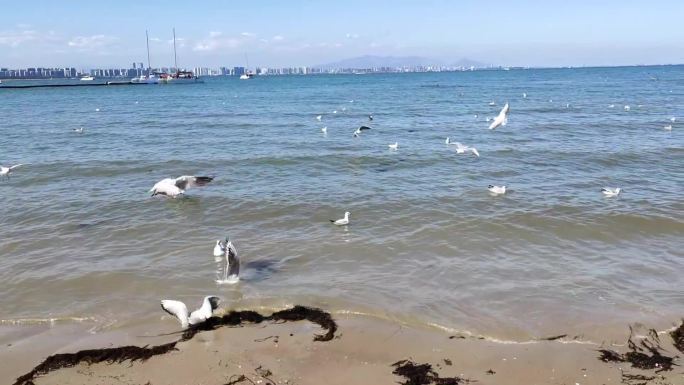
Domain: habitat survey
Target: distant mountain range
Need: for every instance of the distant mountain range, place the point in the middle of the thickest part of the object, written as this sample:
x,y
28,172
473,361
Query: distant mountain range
x,y
370,61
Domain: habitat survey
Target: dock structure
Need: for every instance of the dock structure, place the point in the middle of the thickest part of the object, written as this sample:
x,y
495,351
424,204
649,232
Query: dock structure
x,y
112,83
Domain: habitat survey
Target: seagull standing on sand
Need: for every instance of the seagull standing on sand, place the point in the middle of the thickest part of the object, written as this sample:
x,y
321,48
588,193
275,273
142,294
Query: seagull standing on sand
x,y
501,119
175,187
180,311
394,146
358,130
6,171
462,149
226,255
343,221
610,191
496,189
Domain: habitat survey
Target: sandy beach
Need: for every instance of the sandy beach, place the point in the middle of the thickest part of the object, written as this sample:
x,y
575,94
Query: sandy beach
x,y
361,351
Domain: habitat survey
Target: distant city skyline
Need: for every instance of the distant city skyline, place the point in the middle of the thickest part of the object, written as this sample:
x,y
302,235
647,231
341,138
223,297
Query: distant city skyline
x,y
310,33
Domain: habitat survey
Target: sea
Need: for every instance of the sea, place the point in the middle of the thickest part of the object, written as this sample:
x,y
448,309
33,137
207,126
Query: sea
x,y
83,242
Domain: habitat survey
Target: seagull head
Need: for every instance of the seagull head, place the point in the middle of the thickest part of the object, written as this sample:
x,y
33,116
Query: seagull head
x,y
346,214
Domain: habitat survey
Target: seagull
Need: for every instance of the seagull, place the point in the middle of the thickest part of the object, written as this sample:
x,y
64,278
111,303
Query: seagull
x,y
97,110
668,127
370,117
673,119
334,112
324,130
626,108
230,271
78,130
462,149
492,104
475,116
344,109
611,106
180,311
524,95
343,221
358,130
319,117
501,119
496,189
351,101
6,171
611,192
175,187
394,146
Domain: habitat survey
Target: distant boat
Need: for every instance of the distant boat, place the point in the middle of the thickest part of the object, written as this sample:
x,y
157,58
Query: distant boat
x,y
87,78
150,78
247,75
180,77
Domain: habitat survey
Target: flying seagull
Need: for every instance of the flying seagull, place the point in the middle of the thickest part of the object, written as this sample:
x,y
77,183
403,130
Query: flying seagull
x,y
226,255
358,130
343,221
610,191
180,311
462,149
394,146
496,189
175,187
6,171
501,119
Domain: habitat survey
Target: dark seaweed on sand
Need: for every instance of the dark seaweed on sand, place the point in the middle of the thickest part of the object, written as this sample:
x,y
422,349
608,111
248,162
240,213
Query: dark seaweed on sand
x,y
137,353
422,374
645,355
678,337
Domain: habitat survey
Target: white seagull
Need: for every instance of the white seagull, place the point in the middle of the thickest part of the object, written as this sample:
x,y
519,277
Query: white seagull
x,y
492,104
6,171
370,117
334,112
394,146
627,108
501,119
175,187
78,130
611,106
610,191
496,189
673,119
226,255
524,95
343,221
324,130
180,311
462,149
358,130
668,127
319,117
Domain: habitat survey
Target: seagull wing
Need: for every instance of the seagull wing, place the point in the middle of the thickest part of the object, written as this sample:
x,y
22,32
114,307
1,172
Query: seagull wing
x,y
362,128
176,309
233,260
15,166
474,150
186,181
209,304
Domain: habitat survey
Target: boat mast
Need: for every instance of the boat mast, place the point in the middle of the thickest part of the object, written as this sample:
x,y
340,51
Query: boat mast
x,y
149,66
175,58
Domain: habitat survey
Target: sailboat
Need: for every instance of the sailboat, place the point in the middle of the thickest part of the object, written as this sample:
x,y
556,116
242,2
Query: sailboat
x,y
180,77
247,75
150,78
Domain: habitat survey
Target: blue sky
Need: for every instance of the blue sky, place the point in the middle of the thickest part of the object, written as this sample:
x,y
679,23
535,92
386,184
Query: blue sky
x,y
283,33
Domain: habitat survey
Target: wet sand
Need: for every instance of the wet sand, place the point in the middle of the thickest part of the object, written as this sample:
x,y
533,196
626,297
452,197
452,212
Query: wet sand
x,y
362,352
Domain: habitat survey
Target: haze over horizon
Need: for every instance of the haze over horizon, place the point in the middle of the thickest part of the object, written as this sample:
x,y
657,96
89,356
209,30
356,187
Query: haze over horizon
x,y
306,33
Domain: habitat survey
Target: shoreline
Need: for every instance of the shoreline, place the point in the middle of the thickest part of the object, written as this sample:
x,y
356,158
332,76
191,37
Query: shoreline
x,y
362,350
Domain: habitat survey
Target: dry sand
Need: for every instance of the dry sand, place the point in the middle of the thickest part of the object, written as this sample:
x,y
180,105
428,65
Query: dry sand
x,y
361,353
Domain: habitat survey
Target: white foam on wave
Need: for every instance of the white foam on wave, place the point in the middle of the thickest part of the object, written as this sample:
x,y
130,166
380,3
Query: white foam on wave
x,y
42,321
